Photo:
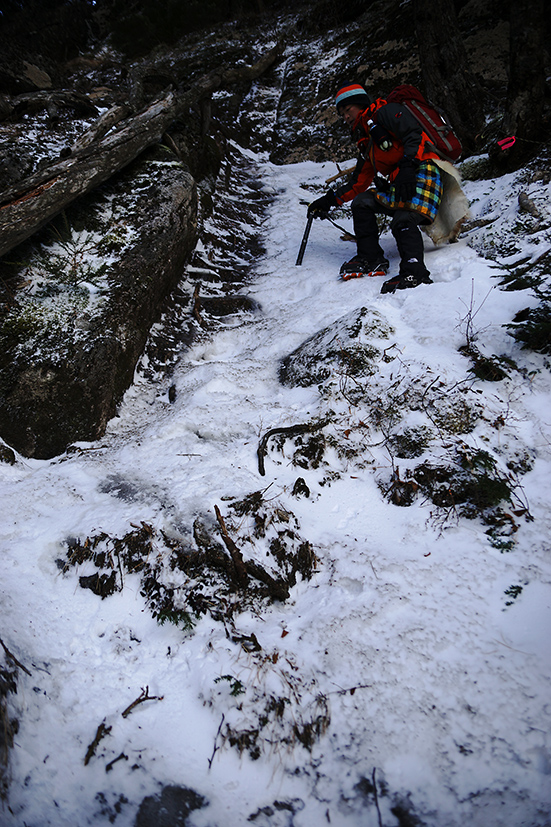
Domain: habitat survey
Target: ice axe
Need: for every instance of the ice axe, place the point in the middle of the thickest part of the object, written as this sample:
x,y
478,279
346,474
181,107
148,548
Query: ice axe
x,y
346,234
304,241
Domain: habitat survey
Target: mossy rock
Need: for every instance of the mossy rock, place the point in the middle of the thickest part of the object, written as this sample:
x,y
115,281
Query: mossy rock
x,y
351,347
70,341
476,169
7,455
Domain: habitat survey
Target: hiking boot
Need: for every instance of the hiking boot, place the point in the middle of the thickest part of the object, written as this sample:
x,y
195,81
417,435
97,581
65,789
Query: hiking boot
x,y
404,280
359,267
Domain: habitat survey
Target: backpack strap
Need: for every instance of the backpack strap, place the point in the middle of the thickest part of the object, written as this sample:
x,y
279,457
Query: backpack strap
x,y
442,128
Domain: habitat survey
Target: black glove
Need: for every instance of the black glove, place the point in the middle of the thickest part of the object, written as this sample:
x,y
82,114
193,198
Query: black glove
x,y
381,183
405,182
321,206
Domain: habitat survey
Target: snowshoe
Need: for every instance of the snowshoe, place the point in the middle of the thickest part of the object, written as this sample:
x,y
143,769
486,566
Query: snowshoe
x,y
401,282
357,268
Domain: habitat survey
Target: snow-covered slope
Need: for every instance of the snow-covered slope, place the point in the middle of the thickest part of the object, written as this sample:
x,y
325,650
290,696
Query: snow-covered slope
x,y
405,680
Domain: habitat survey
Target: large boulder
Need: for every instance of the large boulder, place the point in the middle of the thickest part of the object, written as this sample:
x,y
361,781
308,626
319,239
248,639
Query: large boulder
x,y
351,346
93,288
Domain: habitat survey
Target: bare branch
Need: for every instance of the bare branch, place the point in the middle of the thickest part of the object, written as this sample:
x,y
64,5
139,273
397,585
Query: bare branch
x,y
144,696
101,732
237,557
13,658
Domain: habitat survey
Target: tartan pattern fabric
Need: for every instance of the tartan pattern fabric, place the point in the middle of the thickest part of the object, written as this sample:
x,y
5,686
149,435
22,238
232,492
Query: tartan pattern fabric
x,y
427,197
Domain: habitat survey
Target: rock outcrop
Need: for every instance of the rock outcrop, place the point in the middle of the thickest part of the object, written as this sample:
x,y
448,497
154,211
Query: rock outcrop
x,y
71,343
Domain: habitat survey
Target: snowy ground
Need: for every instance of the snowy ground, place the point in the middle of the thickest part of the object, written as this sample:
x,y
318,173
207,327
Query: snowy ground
x,y
403,653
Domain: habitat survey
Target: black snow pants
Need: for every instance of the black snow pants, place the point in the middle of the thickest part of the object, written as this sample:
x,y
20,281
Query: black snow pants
x,y
404,227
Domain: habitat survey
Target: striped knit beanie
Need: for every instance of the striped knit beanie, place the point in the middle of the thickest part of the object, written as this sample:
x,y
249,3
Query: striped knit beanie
x,y
352,94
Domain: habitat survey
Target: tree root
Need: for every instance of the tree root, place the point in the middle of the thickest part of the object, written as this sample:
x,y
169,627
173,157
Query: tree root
x,y
291,430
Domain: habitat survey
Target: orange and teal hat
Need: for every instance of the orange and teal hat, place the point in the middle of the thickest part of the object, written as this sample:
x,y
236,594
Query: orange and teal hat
x,y
352,94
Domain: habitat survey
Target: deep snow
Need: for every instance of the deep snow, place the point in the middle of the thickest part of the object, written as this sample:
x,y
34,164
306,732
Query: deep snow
x,y
402,646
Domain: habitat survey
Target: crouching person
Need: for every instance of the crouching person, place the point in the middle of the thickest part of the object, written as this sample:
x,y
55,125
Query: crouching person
x,y
395,174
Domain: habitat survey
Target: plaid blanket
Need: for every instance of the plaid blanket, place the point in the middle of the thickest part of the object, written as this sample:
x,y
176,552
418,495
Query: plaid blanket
x,y
427,197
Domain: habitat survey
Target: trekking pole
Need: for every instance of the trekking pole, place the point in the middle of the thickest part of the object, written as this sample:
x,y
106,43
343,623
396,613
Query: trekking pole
x,y
346,232
304,241
350,235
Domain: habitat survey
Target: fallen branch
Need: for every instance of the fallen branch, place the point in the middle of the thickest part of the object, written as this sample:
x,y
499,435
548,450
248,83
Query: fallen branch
x,y
101,732
236,556
14,659
144,696
276,588
52,101
26,207
291,430
101,127
476,223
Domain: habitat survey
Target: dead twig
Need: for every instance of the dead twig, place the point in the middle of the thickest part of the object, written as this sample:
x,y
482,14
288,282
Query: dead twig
x,y
101,732
14,659
109,766
170,142
236,556
376,797
351,690
144,696
340,174
216,747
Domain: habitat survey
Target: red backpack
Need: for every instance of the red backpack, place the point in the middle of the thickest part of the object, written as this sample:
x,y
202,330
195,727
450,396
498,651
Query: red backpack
x,y
434,123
